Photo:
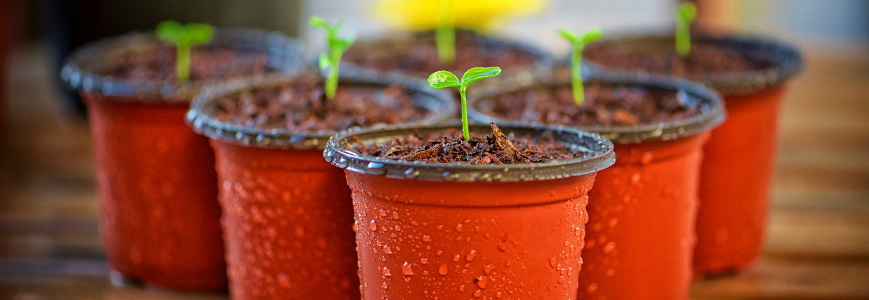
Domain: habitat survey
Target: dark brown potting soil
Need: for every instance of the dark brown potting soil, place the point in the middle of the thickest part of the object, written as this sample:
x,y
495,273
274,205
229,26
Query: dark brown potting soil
x,y
418,55
704,59
449,146
303,106
604,105
206,64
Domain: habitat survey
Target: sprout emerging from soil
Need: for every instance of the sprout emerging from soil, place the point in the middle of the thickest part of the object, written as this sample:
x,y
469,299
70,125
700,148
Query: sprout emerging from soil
x,y
442,79
337,45
184,37
686,12
576,57
445,36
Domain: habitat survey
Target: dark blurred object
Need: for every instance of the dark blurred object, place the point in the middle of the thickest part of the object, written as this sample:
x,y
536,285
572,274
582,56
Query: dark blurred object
x,y
73,23
12,16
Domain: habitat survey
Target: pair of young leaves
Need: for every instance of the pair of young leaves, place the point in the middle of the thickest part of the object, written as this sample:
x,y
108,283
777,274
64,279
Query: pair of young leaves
x,y
184,37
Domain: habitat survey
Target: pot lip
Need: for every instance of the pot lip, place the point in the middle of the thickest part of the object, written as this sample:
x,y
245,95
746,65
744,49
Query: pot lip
x,y
200,116
713,115
284,54
603,156
544,60
788,60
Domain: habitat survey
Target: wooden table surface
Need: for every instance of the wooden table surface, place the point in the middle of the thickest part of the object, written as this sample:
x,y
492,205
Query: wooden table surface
x,y
817,245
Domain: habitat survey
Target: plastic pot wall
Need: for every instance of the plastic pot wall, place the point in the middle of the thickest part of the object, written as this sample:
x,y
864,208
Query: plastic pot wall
x,y
287,220
157,186
735,184
461,240
640,234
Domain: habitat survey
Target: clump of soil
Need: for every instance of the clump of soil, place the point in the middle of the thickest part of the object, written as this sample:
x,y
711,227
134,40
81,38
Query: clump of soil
x,y
604,105
418,55
449,147
303,106
207,64
704,58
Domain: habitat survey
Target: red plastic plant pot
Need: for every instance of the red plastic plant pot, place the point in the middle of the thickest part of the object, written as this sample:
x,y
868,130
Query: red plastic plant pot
x,y
287,213
640,233
155,177
460,231
734,189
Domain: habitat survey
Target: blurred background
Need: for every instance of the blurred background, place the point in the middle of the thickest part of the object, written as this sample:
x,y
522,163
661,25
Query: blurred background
x,y
818,241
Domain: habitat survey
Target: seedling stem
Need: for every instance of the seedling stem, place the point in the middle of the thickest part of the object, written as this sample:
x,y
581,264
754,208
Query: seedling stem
x,y
576,58
337,45
445,36
686,12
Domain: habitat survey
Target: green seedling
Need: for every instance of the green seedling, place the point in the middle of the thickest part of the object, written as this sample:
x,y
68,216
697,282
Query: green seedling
x,y
184,37
445,36
576,57
442,79
337,45
685,14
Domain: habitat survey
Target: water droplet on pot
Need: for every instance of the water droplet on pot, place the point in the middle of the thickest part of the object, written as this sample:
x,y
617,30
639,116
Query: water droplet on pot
x,y
647,158
471,255
609,247
442,269
481,282
372,225
386,272
406,269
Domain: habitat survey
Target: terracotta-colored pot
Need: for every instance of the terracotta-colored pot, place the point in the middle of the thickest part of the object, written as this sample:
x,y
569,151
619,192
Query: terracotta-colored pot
x,y
155,177
734,189
640,233
460,231
287,213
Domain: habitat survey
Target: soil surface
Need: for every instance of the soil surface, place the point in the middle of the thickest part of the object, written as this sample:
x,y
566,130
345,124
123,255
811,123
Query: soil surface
x,y
418,55
704,58
303,106
604,105
449,147
207,64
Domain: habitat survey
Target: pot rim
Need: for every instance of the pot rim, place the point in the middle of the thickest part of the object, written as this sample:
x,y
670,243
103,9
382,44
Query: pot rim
x,y
200,116
787,60
712,113
602,157
284,54
544,61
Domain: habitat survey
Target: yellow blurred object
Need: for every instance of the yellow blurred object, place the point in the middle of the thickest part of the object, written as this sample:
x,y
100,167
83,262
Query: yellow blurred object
x,y
471,14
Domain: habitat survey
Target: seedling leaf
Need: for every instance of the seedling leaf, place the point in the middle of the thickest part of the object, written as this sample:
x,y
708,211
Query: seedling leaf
x,y
591,36
477,73
320,23
568,35
443,79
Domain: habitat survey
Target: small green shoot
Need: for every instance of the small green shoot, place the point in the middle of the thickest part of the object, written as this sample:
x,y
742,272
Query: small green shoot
x,y
445,36
337,45
184,37
443,79
576,58
686,12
